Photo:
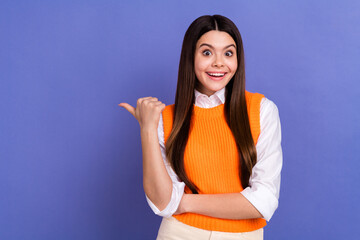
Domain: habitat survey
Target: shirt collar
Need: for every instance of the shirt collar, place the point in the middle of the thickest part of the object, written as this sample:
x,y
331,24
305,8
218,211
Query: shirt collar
x,y
219,95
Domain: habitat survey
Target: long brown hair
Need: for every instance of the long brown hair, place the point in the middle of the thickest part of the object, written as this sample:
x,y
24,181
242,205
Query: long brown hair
x,y
235,108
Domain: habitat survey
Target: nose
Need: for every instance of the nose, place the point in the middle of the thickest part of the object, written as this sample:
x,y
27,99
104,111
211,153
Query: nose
x,y
218,61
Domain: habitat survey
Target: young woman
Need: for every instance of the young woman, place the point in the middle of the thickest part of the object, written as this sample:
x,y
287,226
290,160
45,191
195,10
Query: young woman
x,y
216,172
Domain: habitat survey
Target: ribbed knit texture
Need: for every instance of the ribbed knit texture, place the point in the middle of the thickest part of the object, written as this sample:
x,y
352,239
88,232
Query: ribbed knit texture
x,y
211,160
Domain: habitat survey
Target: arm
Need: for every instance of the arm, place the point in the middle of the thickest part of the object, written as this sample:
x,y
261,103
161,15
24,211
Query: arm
x,y
156,181
260,199
264,184
177,185
228,205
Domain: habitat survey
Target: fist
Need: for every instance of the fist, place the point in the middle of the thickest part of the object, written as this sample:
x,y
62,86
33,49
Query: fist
x,y
147,112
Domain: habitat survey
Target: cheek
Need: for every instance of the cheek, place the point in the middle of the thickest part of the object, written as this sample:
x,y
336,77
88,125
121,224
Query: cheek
x,y
233,65
200,66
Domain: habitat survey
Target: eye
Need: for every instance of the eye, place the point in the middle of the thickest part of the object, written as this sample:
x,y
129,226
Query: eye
x,y
229,53
206,53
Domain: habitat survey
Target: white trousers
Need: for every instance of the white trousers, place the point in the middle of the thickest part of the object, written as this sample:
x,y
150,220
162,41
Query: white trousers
x,y
173,229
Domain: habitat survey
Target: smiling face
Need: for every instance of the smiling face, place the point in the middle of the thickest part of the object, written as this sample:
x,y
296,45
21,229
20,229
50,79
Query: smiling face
x,y
215,61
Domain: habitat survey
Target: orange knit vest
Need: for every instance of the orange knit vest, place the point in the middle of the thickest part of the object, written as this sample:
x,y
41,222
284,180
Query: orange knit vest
x,y
211,160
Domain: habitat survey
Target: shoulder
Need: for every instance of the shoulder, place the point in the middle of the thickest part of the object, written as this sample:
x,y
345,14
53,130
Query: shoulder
x,y
168,111
169,108
167,119
165,123
251,96
262,109
269,114
268,107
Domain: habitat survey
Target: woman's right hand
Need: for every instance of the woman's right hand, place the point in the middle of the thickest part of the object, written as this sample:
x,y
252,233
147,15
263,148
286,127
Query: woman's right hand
x,y
147,112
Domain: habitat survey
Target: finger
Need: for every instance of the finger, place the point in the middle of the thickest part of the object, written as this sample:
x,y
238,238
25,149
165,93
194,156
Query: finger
x,y
128,107
150,99
140,100
147,102
158,103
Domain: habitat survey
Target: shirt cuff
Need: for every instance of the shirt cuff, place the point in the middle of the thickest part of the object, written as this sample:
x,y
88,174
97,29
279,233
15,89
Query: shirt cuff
x,y
176,195
262,199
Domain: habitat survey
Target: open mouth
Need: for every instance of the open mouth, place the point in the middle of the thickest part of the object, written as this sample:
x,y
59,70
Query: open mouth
x,y
216,75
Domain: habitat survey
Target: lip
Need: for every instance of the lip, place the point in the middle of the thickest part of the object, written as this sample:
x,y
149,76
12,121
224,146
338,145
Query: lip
x,y
216,78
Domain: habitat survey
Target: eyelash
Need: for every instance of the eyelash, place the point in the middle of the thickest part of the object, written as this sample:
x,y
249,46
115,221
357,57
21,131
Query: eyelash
x,y
225,53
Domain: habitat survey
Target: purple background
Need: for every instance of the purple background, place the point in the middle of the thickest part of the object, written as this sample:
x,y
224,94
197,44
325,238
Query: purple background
x,y
70,158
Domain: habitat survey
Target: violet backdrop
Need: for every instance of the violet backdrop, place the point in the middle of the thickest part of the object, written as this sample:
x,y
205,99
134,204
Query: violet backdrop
x,y
70,157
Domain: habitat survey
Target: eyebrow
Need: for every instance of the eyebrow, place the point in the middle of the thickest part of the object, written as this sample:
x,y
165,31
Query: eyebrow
x,y
205,44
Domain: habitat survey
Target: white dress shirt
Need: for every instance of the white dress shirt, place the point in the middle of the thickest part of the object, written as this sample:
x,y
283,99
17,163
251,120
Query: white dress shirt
x,y
264,183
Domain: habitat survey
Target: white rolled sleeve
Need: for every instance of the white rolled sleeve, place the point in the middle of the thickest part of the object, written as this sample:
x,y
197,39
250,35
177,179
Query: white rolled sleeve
x,y
264,184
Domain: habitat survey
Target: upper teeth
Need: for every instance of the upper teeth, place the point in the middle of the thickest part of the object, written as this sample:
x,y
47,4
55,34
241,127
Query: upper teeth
x,y
216,74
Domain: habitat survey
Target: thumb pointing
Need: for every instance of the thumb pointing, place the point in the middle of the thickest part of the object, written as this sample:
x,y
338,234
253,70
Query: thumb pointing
x,y
128,107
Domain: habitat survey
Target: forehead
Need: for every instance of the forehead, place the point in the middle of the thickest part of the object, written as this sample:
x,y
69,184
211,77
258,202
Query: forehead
x,y
216,39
